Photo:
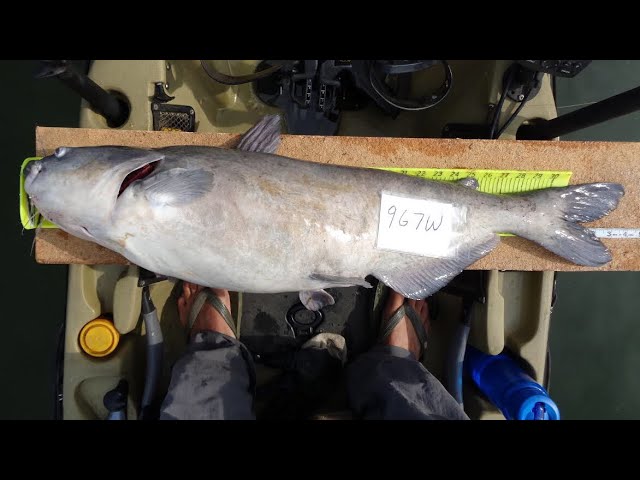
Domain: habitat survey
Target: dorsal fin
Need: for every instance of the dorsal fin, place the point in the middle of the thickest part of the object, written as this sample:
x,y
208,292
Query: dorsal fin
x,y
264,136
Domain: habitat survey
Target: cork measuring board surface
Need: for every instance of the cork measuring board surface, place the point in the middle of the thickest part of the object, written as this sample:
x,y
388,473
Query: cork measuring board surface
x,y
589,161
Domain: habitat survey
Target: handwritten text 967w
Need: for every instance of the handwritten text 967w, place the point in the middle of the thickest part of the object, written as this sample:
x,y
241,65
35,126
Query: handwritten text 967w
x,y
414,219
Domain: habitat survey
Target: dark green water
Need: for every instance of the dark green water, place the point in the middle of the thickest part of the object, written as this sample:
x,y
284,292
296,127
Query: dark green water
x,y
33,296
594,335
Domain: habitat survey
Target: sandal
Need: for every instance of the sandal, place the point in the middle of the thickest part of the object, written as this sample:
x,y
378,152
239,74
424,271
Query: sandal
x,y
405,310
207,296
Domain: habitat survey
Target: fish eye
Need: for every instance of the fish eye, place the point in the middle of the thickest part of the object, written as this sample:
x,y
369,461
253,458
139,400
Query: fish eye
x,y
60,152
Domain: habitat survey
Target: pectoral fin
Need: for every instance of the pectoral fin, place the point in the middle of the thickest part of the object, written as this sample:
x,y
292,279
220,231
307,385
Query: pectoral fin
x,y
177,186
316,299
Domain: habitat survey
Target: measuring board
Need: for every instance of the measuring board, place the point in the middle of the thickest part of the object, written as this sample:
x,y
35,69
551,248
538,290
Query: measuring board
x,y
490,181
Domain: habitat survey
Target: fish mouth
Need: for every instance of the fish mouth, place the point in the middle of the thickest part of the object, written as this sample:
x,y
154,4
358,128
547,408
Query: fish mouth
x,y
33,169
139,173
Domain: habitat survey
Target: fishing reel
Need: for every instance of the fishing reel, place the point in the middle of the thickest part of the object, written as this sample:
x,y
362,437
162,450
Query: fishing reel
x,y
314,93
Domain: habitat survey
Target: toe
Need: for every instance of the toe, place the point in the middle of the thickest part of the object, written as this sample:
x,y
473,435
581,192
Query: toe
x,y
186,290
421,308
423,311
196,290
182,310
220,292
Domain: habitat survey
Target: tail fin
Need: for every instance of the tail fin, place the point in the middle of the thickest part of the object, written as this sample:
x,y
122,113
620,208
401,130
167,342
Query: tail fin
x,y
558,211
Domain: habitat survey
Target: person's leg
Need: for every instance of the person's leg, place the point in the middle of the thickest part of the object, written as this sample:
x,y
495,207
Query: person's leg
x,y
215,378
388,382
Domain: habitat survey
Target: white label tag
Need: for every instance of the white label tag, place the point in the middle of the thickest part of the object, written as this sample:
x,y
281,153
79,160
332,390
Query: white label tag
x,y
422,227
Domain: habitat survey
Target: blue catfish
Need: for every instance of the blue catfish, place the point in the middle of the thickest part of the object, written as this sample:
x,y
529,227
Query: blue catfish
x,y
248,220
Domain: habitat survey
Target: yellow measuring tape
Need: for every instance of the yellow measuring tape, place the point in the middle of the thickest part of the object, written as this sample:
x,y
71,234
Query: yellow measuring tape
x,y
493,181
490,181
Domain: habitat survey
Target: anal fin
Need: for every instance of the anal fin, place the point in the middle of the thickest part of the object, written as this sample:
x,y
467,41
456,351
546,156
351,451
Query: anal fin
x,y
425,276
337,281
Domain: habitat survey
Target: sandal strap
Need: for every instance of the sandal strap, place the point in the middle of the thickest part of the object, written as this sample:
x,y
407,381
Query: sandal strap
x,y
208,296
418,326
387,327
408,311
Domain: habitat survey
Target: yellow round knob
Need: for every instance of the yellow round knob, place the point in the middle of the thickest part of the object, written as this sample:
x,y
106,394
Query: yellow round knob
x,y
99,337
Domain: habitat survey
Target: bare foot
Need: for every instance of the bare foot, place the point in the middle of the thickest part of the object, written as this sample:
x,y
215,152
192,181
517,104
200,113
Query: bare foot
x,y
404,335
208,318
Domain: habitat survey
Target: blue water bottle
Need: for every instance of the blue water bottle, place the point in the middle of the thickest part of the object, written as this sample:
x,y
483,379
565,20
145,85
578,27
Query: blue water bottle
x,y
508,387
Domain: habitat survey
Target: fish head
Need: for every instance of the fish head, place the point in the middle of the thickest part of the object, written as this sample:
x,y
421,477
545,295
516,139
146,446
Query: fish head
x,y
77,187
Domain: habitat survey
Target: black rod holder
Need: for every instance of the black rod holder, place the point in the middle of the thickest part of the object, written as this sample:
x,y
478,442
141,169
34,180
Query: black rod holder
x,y
112,108
612,107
